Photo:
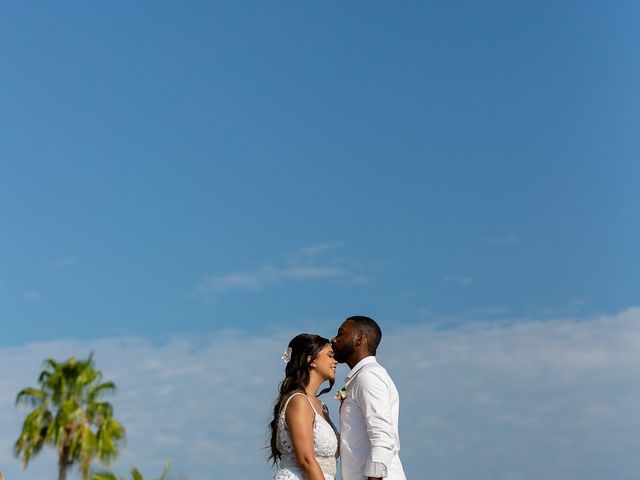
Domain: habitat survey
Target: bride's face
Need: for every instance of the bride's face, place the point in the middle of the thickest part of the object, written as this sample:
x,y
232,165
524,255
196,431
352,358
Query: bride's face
x,y
325,364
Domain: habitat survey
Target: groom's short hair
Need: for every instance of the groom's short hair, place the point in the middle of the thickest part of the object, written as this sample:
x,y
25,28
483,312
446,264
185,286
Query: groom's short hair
x,y
371,329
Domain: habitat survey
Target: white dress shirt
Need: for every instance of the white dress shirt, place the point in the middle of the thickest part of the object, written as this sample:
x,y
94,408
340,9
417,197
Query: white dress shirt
x,y
369,440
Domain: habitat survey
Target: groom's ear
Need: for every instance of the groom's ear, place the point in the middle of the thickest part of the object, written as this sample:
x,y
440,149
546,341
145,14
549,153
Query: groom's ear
x,y
359,338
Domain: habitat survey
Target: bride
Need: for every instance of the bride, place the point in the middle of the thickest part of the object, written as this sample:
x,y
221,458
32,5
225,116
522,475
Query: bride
x,y
304,442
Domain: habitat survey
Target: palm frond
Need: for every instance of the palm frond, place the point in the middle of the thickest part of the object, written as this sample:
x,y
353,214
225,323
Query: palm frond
x,y
166,471
31,396
136,475
101,389
103,475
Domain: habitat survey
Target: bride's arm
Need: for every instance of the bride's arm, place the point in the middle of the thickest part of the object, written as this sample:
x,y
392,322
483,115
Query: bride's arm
x,y
299,417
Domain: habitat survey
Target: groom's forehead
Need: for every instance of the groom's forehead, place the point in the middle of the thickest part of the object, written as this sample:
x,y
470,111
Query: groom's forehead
x,y
346,326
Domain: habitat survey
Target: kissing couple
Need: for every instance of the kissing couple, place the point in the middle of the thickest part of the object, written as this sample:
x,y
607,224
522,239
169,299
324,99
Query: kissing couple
x,y
305,443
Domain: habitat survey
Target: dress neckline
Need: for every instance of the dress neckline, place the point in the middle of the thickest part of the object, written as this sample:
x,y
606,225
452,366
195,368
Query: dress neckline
x,y
315,412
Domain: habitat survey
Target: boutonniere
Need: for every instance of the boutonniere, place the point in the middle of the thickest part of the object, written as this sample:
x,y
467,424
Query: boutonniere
x,y
341,394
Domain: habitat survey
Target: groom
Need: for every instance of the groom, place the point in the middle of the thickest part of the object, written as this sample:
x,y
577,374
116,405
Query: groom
x,y
369,441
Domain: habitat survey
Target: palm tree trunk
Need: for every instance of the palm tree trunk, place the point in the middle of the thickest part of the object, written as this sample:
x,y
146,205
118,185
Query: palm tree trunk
x,y
62,471
63,463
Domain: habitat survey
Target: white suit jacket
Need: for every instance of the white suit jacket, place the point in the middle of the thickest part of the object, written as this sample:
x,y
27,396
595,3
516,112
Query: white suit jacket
x,y
369,440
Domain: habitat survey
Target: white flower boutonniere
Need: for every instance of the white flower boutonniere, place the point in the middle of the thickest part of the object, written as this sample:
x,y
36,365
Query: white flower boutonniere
x,y
341,394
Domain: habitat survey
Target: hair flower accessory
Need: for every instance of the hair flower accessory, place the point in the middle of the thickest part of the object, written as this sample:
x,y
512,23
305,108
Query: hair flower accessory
x,y
286,356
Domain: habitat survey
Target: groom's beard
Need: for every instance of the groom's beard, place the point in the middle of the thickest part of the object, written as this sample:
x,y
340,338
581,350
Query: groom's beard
x,y
342,354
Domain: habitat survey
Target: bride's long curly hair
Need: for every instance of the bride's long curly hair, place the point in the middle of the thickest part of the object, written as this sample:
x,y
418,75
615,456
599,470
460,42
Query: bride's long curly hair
x,y
304,349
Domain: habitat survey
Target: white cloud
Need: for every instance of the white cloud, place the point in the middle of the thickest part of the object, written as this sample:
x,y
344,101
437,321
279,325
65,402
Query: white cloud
x,y
310,272
234,281
554,399
310,253
303,264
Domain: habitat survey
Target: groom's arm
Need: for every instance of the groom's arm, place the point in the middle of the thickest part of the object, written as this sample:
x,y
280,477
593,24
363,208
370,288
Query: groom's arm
x,y
376,407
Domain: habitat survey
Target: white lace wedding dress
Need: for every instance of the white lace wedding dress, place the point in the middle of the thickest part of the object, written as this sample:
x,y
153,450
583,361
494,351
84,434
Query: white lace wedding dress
x,y
325,446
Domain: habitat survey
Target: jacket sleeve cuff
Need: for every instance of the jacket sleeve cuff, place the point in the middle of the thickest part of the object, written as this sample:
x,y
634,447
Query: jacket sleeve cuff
x,y
375,469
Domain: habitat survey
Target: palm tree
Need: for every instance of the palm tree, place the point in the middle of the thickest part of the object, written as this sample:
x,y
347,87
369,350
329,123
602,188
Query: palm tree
x,y
135,474
69,415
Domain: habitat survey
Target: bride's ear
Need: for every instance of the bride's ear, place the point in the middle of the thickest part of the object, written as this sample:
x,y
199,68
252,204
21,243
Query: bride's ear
x,y
310,361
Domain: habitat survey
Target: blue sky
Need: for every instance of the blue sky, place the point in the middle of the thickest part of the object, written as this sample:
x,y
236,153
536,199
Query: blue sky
x,y
177,171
